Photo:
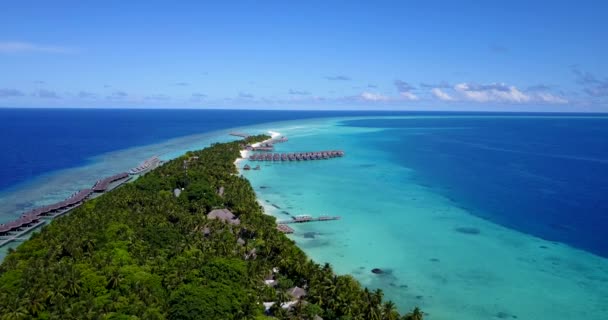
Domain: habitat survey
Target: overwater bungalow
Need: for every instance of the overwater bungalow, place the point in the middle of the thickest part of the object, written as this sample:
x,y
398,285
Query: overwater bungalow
x,y
284,228
302,218
246,167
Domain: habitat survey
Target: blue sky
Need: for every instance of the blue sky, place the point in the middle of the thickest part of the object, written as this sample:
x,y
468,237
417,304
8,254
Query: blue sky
x,y
420,55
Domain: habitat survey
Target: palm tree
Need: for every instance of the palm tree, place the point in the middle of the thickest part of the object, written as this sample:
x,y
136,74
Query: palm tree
x,y
416,314
389,311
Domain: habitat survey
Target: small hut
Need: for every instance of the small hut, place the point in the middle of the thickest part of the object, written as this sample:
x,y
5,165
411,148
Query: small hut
x,y
246,167
225,215
296,293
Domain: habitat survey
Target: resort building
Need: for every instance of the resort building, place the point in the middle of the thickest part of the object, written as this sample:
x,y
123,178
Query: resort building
x,y
225,215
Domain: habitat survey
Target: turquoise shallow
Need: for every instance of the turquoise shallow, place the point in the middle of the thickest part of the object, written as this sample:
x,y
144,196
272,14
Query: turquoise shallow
x,y
445,256
465,222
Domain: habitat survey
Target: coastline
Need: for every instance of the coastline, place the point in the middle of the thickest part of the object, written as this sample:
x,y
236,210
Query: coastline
x,y
230,265
432,262
246,153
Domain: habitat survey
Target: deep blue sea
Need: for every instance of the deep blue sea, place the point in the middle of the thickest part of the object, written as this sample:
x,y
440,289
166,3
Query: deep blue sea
x,y
38,141
543,176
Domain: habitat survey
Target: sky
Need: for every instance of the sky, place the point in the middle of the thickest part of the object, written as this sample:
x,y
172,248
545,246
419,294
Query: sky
x,y
372,55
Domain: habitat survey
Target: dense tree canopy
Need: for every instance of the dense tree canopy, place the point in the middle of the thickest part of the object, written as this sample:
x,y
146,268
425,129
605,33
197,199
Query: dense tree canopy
x,y
139,252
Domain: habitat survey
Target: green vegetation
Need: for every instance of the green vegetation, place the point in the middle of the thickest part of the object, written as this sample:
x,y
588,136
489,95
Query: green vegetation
x,y
139,252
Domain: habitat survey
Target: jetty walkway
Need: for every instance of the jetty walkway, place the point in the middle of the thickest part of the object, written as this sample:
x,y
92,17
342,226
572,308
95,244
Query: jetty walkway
x,y
282,225
239,134
14,230
297,156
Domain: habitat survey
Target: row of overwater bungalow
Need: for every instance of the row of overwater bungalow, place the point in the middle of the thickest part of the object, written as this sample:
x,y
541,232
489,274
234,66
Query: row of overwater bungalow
x,y
103,184
32,217
298,156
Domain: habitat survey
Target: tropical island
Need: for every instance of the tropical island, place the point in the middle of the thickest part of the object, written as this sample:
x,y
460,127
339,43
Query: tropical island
x,y
187,240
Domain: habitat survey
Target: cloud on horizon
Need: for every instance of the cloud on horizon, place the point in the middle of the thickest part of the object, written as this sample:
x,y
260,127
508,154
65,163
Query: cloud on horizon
x,y
116,95
495,93
338,78
439,94
10,93
198,96
298,92
86,95
440,85
27,47
405,90
369,96
591,84
245,95
46,94
157,97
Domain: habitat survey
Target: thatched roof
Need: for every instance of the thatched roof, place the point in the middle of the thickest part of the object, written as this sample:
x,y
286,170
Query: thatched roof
x,y
296,292
224,215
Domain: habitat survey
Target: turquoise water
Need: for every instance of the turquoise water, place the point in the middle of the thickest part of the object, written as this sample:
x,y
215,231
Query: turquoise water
x,y
390,220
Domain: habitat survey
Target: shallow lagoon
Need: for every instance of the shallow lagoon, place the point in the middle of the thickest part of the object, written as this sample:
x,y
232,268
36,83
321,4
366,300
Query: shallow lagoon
x,y
434,252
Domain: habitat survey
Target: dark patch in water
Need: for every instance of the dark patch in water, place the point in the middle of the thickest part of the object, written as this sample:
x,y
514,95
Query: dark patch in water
x,y
434,260
505,315
267,201
274,205
403,286
285,212
543,247
367,165
310,235
361,268
264,187
467,230
419,297
289,207
377,271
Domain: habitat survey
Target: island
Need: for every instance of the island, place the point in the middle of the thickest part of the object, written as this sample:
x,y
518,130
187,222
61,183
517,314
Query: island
x,y
187,240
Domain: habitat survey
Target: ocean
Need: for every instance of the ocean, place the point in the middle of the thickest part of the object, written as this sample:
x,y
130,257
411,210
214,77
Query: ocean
x,y
469,215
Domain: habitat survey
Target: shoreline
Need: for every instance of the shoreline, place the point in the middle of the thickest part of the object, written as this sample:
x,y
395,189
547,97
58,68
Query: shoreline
x,y
276,254
246,153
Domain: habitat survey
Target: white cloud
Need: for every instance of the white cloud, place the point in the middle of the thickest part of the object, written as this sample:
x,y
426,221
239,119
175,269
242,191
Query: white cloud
x,y
496,92
25,47
408,95
368,96
550,98
439,94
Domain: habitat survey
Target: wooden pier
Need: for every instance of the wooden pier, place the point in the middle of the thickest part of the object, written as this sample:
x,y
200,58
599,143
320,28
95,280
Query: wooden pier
x,y
239,134
30,220
305,219
297,156
21,232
